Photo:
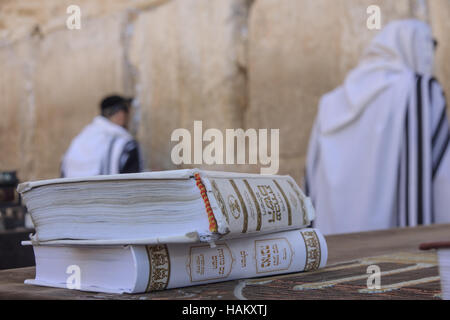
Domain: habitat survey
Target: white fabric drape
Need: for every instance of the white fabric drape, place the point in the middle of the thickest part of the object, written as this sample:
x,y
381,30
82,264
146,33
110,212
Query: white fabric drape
x,y
96,150
378,156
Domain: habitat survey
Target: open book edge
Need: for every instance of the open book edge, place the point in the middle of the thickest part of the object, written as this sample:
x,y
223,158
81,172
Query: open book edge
x,y
154,175
188,236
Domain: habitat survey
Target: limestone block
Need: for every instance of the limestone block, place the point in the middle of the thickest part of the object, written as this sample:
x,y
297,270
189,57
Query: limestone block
x,y
19,17
15,120
73,71
186,54
440,21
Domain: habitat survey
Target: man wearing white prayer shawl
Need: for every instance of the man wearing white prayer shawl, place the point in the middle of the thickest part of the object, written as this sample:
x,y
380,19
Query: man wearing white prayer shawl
x,y
378,156
104,146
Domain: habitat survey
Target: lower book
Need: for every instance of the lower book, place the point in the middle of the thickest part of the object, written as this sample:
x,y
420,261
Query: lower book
x,y
141,268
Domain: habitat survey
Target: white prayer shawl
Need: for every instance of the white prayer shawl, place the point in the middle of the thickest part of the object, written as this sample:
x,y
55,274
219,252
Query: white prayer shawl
x,y
96,150
378,155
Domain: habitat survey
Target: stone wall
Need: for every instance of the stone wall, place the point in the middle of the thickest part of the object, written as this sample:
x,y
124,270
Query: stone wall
x,y
299,50
440,21
233,64
187,56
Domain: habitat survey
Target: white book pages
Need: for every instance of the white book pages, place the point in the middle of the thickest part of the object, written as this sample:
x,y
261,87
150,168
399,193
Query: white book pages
x,y
99,269
127,211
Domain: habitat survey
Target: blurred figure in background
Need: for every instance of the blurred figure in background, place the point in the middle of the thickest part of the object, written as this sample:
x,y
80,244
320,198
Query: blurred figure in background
x,y
104,146
378,155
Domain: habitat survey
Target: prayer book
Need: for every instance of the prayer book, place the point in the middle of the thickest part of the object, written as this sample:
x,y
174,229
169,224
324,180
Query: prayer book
x,y
179,206
146,268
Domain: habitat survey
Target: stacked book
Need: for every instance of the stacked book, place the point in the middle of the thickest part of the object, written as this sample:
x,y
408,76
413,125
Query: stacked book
x,y
138,233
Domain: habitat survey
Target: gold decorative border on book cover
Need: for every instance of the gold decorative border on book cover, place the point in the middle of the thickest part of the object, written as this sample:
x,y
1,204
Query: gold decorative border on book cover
x,y
159,267
302,202
313,250
256,203
220,200
238,209
287,202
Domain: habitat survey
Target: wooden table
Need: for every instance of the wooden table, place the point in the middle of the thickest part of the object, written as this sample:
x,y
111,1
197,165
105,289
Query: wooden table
x,y
406,273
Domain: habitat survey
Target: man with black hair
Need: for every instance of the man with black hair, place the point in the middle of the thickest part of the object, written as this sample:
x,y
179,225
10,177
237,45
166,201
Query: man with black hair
x,y
104,146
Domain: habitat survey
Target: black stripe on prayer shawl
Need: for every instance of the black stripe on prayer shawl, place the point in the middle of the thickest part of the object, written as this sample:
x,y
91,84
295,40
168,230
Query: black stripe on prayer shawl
x,y
306,182
441,122
399,175
431,82
419,152
102,167
441,128
442,117
407,167
108,155
441,155
430,88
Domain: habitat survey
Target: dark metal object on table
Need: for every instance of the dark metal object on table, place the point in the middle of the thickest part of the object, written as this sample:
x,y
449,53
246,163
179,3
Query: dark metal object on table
x,y
12,253
12,212
12,221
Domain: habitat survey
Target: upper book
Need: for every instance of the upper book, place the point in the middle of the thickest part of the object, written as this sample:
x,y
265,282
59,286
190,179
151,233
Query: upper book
x,y
179,206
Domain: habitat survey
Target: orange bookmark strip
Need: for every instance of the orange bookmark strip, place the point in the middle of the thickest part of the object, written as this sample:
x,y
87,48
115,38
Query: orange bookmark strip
x,y
211,218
